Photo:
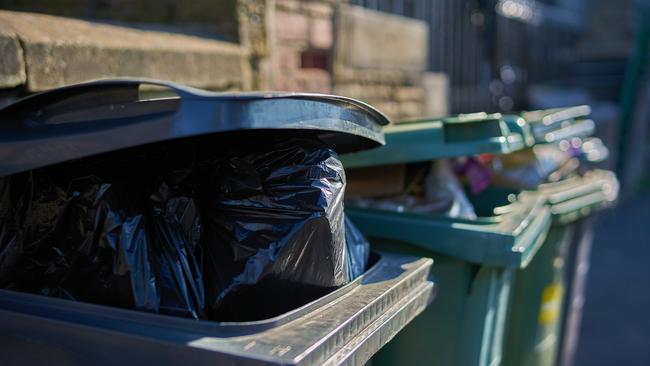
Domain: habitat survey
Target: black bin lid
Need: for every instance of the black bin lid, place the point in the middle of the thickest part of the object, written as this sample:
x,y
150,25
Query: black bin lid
x,y
85,119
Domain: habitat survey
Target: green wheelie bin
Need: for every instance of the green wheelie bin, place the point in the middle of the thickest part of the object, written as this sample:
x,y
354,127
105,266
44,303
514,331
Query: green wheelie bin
x,y
548,293
475,259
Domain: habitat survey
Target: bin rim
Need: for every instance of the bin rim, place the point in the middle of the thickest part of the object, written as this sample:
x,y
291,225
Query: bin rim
x,y
581,196
448,137
508,239
556,124
378,306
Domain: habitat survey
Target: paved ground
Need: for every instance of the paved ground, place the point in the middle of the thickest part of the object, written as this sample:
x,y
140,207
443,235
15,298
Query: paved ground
x,y
616,320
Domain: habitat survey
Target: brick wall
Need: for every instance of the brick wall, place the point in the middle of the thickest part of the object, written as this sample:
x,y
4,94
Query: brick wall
x,y
301,38
322,46
330,47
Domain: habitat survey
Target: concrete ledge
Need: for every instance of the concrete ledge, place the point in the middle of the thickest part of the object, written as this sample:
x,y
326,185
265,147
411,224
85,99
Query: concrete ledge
x,y
44,51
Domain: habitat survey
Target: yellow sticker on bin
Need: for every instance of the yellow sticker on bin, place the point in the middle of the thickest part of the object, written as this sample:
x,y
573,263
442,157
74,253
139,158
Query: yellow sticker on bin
x,y
551,304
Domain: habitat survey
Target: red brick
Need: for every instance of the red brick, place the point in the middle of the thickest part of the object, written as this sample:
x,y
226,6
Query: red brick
x,y
286,58
318,10
320,33
314,80
291,26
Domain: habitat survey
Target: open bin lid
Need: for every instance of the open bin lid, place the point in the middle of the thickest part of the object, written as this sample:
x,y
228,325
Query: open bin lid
x,y
101,116
518,124
577,197
424,140
553,125
511,238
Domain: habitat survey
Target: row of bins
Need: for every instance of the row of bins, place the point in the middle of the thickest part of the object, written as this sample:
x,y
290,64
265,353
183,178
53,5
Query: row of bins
x,y
468,260
508,274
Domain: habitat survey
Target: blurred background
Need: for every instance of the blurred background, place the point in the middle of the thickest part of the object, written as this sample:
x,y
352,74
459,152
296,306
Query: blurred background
x,y
409,58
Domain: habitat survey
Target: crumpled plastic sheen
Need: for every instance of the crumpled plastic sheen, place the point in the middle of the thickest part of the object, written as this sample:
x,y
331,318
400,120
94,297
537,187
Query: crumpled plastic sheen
x,y
242,235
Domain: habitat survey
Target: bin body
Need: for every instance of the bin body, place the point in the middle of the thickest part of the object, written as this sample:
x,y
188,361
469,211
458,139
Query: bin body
x,y
537,303
486,305
464,326
548,294
576,280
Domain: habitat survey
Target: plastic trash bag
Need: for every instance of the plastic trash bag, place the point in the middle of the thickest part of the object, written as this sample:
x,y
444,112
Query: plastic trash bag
x,y
176,236
527,169
438,192
442,185
358,250
243,235
274,228
88,244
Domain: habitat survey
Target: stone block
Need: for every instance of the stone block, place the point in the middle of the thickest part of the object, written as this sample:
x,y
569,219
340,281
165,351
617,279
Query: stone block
x,y
12,66
286,58
321,34
292,6
314,81
317,9
371,39
197,16
365,91
59,51
290,27
389,108
345,75
436,94
408,93
410,110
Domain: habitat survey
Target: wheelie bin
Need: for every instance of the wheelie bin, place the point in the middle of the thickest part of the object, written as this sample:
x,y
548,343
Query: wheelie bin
x,y
68,126
549,293
476,259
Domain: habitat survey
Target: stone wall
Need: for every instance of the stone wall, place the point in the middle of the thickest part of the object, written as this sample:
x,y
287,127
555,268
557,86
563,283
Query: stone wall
x,y
301,38
208,18
381,58
331,47
322,46
42,51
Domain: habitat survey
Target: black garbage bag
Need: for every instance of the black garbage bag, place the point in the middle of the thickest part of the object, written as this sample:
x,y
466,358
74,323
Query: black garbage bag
x,y
240,235
89,244
160,181
93,244
274,228
176,248
358,250
32,205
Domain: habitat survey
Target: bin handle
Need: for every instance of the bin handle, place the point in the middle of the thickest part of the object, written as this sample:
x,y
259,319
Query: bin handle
x,y
35,110
107,92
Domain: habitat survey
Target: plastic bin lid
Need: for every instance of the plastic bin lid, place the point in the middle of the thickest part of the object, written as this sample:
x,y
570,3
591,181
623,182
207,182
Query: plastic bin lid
x,y
106,115
580,196
509,238
518,124
423,140
555,115
552,125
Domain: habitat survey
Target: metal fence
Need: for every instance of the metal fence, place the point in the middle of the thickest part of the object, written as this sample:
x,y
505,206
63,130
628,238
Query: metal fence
x,y
493,49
